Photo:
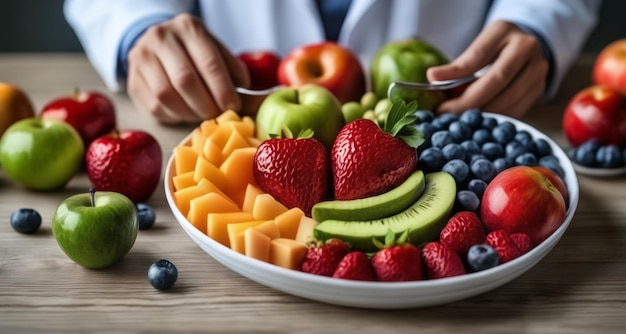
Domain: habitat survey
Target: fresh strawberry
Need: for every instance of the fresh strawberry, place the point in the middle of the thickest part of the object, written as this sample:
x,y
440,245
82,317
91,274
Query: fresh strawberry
x,y
355,266
441,261
506,248
397,260
367,160
293,170
522,241
323,258
462,231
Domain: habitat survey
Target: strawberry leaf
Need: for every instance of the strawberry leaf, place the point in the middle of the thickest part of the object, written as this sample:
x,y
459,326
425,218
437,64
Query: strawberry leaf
x,y
400,120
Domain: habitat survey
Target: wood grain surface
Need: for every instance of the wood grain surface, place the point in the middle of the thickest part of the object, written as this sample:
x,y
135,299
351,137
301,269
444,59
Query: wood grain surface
x,y
580,287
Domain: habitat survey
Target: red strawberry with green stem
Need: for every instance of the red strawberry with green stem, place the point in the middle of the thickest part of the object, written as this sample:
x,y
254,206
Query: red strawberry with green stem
x,y
367,160
355,266
397,260
293,170
323,258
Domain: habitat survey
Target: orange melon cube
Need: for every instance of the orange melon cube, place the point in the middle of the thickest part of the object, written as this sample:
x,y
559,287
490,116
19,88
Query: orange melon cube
x,y
254,141
235,141
184,196
197,140
212,152
206,170
245,128
250,196
236,234
287,253
305,229
185,158
266,207
200,207
207,186
183,180
207,127
288,222
257,244
268,228
220,135
217,223
238,170
228,116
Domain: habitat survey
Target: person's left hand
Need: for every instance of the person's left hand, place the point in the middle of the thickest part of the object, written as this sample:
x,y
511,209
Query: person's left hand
x,y
513,84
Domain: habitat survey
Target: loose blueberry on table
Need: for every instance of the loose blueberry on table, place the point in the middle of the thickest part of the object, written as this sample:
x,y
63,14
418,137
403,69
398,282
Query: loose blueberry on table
x,y
26,220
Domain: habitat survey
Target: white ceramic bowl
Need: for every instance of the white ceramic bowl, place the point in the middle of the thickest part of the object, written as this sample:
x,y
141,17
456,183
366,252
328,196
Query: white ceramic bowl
x,y
383,295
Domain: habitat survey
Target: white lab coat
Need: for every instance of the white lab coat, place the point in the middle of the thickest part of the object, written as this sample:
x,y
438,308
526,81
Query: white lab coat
x,y
282,25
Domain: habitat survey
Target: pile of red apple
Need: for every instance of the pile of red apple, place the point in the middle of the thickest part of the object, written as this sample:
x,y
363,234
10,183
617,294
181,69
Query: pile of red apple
x,y
71,133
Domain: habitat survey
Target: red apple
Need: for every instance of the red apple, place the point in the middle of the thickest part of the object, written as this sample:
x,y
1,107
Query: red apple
x,y
609,69
128,162
556,181
92,114
262,66
596,112
326,64
522,199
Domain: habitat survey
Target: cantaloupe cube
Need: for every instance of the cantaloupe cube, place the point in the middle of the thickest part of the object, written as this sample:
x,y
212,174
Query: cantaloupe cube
x,y
245,128
183,180
268,228
220,135
235,141
200,207
183,196
197,140
236,234
206,170
238,170
228,116
207,186
185,158
257,244
207,127
287,253
305,229
251,193
212,152
266,207
217,224
288,222
254,141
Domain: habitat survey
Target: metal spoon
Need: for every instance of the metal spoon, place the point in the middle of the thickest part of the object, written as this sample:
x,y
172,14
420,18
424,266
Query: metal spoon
x,y
251,99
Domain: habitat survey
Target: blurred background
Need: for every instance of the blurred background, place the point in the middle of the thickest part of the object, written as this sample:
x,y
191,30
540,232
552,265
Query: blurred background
x,y
39,26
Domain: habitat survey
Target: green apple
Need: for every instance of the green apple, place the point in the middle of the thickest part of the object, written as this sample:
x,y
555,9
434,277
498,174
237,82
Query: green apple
x,y
96,229
41,154
309,107
407,60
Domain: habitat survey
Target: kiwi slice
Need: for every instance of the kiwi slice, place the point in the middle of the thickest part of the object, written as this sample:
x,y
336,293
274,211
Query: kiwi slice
x,y
373,207
423,220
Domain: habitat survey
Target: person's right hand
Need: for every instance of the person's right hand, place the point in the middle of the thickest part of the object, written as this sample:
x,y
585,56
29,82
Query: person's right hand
x,y
179,73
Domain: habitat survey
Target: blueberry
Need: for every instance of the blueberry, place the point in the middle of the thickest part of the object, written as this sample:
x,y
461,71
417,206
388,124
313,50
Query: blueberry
x,y
431,159
492,150
514,149
542,146
526,159
524,137
609,156
553,163
585,154
503,132
481,257
458,169
482,136
489,123
477,186
444,120
467,200
25,220
454,151
424,116
162,274
483,169
460,130
472,117
146,216
471,148
427,129
501,164
441,138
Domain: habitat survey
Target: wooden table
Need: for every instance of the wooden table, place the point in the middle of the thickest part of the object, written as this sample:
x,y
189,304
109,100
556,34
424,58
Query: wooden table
x,y
580,287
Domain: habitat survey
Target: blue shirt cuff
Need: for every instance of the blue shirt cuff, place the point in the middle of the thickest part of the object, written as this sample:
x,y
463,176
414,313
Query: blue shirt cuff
x,y
545,49
129,39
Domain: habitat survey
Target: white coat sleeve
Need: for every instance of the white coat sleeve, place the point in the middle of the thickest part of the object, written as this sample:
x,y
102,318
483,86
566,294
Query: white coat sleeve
x,y
564,25
100,26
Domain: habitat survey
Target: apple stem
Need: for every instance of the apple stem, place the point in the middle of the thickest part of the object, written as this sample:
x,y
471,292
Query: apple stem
x,y
92,192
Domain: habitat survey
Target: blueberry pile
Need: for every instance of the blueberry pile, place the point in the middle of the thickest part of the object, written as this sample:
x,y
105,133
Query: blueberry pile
x,y
474,148
594,154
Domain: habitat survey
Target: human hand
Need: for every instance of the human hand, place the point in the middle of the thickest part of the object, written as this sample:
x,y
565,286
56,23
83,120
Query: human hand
x,y
179,73
513,84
